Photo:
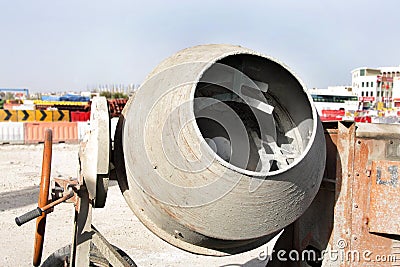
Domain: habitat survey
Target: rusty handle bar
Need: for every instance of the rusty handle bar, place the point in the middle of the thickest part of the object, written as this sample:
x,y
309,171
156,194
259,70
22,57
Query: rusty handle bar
x,y
30,215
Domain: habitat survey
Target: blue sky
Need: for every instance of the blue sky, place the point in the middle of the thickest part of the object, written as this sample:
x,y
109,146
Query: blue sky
x,y
69,45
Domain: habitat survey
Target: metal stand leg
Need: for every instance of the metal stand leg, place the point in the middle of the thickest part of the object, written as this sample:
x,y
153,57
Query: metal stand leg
x,y
107,250
80,251
85,233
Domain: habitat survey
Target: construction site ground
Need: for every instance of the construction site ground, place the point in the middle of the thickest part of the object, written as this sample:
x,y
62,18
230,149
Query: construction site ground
x,y
20,167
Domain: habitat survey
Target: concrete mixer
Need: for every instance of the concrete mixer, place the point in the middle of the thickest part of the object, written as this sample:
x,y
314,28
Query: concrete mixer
x,y
217,151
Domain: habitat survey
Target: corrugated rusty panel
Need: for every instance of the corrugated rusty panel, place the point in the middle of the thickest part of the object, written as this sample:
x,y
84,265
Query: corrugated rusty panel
x,y
384,205
366,212
370,148
62,132
341,233
370,145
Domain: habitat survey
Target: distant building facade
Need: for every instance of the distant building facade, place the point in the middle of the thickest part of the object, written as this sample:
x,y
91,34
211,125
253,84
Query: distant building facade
x,y
334,98
377,87
13,93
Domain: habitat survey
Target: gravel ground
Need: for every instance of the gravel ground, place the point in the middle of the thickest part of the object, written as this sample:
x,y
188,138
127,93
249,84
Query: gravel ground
x,y
19,187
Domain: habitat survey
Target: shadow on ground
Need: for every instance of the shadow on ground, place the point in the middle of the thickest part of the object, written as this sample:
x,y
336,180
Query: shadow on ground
x,y
24,197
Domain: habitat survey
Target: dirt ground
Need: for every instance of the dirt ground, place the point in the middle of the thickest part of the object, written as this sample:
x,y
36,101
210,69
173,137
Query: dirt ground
x,y
20,167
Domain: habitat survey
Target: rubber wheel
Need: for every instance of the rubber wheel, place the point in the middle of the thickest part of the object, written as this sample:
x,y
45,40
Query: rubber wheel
x,y
60,258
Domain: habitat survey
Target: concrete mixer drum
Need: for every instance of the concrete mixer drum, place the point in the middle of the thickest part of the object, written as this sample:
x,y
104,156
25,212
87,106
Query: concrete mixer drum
x,y
219,149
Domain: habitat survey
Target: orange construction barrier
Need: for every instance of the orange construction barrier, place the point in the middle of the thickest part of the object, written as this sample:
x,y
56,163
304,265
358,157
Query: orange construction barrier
x,y
63,132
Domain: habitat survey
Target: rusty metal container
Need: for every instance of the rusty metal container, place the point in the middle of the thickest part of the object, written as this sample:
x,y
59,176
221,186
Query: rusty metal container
x,y
354,219
219,149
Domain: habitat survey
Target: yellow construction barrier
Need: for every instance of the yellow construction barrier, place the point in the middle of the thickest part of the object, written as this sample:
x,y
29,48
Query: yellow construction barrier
x,y
44,115
26,115
8,115
59,103
61,115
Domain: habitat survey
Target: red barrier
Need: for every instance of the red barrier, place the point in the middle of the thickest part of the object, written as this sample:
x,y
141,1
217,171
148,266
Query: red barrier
x,y
116,106
80,116
332,113
363,119
330,118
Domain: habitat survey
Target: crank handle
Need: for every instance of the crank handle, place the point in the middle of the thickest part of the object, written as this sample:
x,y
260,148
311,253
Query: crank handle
x,y
24,218
30,215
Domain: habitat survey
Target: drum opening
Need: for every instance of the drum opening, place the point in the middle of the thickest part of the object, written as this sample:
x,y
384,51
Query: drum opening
x,y
253,113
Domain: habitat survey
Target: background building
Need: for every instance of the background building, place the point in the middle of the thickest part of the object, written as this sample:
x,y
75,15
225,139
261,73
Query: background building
x,y
13,93
396,92
377,87
334,98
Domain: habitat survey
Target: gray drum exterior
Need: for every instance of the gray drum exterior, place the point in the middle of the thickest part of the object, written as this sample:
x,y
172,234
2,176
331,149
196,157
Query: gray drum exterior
x,y
209,210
